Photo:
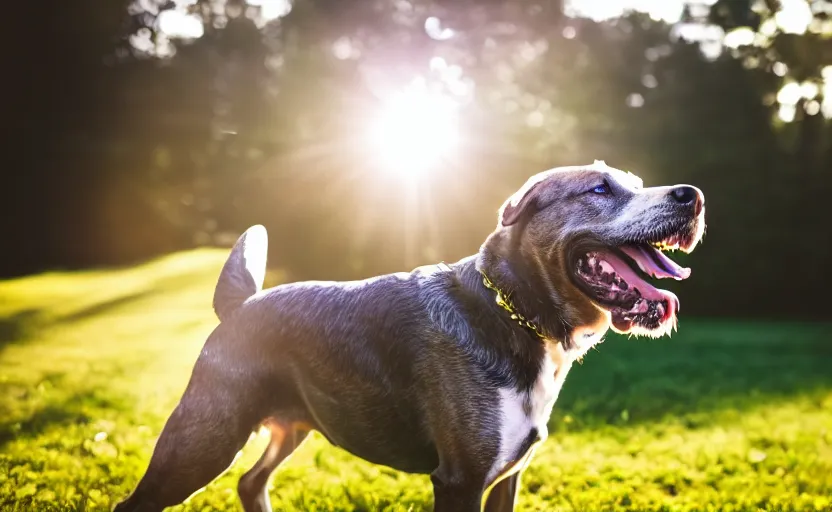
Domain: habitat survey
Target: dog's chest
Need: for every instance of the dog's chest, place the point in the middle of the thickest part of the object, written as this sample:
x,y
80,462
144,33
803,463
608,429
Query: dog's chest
x,y
525,414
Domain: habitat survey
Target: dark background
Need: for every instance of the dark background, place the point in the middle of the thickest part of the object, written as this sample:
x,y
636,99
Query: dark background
x,y
123,145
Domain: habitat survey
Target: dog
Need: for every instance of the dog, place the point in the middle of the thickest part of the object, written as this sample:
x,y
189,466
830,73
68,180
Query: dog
x,y
449,370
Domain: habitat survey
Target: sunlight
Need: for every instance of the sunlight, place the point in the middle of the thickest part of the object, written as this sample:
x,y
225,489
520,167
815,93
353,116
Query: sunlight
x,y
665,10
435,30
415,129
794,16
179,24
792,93
789,94
826,105
272,9
742,36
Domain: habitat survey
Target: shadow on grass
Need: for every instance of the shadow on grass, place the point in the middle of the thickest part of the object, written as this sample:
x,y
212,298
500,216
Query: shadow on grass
x,y
711,368
105,307
77,408
16,327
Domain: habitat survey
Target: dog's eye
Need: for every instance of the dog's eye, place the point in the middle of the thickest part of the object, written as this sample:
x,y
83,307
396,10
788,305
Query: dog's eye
x,y
602,189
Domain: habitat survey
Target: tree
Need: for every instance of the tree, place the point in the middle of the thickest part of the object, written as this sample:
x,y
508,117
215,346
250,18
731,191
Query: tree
x,y
258,115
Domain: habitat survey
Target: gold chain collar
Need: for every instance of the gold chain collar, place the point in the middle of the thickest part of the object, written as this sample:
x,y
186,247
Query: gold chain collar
x,y
504,302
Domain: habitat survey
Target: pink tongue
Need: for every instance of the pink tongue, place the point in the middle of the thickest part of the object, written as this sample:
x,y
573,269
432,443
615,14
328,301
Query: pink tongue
x,y
654,263
613,263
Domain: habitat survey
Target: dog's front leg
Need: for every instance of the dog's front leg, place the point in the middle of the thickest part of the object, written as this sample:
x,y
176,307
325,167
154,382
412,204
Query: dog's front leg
x,y
456,492
503,495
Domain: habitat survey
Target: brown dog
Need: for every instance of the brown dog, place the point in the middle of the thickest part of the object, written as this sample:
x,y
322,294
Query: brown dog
x,y
447,370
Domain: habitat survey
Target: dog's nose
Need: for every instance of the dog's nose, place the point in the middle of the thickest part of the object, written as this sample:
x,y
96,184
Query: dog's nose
x,y
685,194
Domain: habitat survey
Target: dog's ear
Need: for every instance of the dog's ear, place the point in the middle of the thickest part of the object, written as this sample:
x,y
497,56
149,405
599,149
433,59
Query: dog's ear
x,y
524,202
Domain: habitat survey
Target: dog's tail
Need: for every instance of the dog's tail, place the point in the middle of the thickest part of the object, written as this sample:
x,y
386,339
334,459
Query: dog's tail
x,y
243,273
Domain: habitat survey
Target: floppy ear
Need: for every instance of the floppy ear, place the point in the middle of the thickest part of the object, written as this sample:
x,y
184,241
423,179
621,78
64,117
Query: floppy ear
x,y
524,201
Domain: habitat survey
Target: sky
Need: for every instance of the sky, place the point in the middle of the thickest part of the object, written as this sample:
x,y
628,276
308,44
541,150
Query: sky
x,y
598,10
177,23
793,17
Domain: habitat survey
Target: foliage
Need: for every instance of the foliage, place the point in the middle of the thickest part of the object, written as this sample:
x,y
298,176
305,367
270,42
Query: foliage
x,y
723,416
153,144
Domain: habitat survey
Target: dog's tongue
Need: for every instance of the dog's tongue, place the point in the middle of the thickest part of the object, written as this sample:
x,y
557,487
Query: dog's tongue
x,y
654,263
612,263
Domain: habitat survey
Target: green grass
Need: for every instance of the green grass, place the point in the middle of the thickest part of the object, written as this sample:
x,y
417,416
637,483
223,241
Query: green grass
x,y
723,416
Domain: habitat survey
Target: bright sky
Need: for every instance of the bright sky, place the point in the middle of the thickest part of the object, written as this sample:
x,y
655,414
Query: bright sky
x,y
598,10
794,15
177,23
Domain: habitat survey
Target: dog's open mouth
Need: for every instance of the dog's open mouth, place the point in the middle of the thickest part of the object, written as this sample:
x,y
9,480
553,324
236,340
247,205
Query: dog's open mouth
x,y
613,278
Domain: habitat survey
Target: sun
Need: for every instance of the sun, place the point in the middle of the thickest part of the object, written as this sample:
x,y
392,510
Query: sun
x,y
414,131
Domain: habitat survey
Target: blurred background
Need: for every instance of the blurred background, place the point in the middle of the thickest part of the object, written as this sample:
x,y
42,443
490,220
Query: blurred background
x,y
377,135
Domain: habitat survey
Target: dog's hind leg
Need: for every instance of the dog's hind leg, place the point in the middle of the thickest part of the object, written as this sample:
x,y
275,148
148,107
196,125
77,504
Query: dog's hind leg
x,y
285,438
200,440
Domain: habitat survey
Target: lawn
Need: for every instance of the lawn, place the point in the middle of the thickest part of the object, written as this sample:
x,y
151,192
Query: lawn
x,y
723,416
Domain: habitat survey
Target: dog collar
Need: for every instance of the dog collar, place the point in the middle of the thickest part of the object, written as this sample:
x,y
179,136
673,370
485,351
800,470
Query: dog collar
x,y
504,302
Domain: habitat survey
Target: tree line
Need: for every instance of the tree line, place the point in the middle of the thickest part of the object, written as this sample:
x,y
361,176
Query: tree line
x,y
128,142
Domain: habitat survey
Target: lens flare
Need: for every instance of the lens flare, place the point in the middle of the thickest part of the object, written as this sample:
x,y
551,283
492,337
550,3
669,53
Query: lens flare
x,y
414,131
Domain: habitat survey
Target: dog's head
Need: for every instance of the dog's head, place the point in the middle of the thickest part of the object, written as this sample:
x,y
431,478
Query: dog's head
x,y
597,235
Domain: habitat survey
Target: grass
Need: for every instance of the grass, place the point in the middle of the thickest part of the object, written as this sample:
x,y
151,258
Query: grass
x,y
723,416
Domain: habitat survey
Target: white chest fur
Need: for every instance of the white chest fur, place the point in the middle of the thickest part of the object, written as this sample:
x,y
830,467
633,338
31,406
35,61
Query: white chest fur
x,y
523,411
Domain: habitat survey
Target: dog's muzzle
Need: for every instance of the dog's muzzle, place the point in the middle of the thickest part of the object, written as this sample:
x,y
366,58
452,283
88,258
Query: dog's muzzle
x,y
615,277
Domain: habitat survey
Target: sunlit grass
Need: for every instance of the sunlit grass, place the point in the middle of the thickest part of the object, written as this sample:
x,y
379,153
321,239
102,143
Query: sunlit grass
x,y
724,416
